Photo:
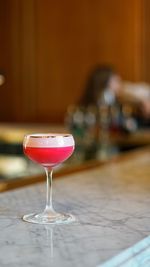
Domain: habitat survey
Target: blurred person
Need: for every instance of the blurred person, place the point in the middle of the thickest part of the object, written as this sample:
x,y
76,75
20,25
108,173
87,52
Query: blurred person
x,y
103,88
132,100
104,83
104,111
90,119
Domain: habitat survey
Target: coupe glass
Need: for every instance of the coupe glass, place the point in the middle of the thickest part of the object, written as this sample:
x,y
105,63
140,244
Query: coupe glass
x,y
48,150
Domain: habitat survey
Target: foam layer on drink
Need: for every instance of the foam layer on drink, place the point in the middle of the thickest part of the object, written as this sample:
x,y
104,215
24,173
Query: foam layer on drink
x,y
48,140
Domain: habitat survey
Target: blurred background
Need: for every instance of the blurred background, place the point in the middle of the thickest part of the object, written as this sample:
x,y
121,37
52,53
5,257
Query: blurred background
x,y
47,50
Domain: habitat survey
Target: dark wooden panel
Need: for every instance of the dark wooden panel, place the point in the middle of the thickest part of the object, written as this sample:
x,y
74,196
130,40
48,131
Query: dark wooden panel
x,y
73,36
23,63
146,41
5,56
52,45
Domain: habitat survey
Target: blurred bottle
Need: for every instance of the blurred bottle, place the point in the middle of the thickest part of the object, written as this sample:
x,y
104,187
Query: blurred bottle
x,y
129,123
108,123
83,124
74,121
91,132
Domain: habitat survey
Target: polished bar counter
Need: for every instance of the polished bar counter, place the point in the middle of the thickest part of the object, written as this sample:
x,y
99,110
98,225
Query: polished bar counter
x,y
111,203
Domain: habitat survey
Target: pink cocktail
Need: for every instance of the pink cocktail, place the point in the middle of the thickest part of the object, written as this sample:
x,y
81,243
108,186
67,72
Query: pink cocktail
x,y
48,150
48,156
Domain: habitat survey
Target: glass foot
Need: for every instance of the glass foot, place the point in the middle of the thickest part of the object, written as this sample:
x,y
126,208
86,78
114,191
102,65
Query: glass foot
x,y
55,218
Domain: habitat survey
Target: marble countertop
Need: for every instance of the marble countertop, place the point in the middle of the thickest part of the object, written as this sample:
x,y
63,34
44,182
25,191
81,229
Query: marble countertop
x,y
111,203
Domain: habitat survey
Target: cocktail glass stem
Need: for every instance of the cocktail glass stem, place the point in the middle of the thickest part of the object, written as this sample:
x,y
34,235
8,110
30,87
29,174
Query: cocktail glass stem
x,y
49,205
